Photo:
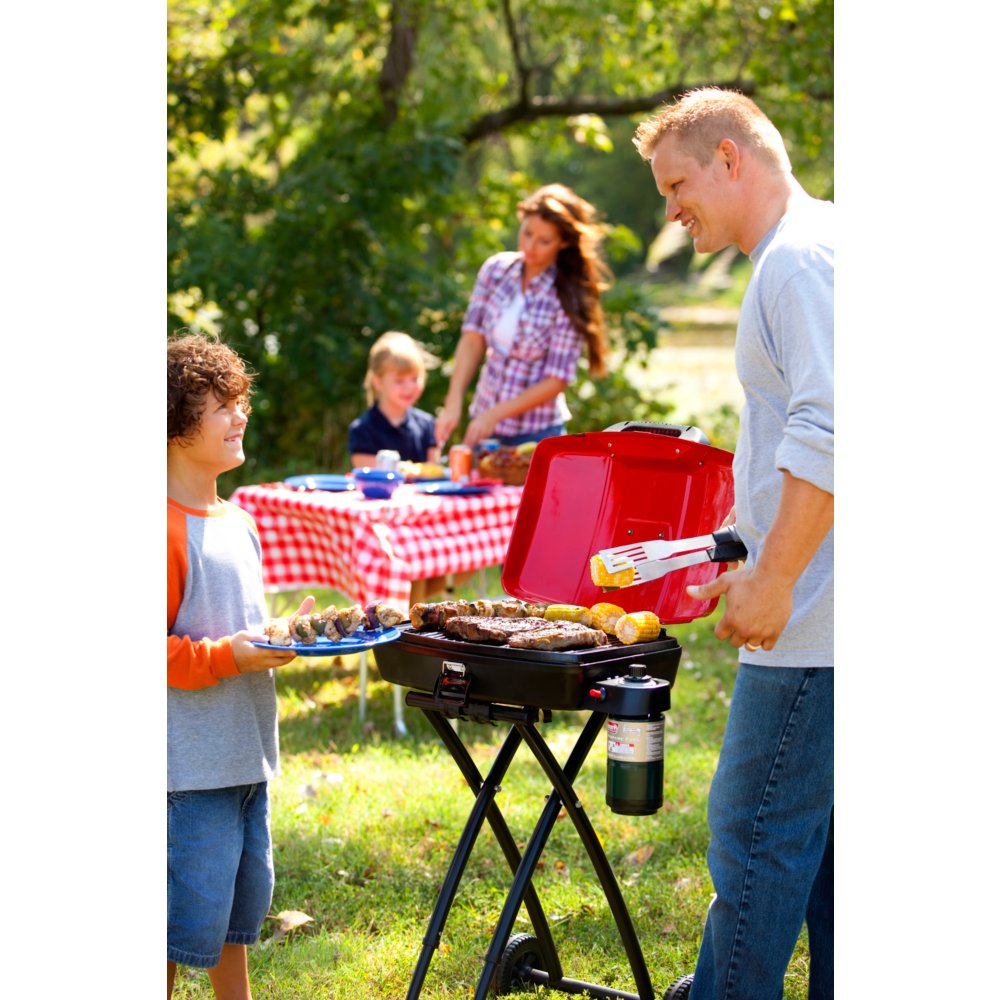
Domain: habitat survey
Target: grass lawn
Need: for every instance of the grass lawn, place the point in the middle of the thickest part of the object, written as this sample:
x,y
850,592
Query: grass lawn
x,y
365,822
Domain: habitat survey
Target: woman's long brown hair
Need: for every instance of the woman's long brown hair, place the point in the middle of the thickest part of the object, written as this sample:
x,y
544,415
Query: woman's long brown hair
x,y
581,272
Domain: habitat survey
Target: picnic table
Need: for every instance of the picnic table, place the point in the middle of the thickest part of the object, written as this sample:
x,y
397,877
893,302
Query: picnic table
x,y
372,550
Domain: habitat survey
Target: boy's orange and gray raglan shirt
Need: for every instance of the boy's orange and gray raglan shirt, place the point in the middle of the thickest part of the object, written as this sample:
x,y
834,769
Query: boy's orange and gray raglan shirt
x,y
222,726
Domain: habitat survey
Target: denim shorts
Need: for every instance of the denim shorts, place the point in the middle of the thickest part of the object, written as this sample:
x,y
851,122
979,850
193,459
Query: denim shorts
x,y
220,875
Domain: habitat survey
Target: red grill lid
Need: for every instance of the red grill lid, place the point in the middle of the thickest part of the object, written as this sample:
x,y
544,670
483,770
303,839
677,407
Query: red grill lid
x,y
586,492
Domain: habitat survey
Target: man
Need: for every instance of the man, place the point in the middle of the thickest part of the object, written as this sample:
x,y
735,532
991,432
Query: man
x,y
722,167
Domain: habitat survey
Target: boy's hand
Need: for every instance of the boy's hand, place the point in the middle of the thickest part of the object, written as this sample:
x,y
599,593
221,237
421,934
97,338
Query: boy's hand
x,y
251,659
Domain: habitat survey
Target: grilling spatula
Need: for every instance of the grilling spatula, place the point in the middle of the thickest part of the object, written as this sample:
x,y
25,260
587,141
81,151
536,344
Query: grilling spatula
x,y
655,558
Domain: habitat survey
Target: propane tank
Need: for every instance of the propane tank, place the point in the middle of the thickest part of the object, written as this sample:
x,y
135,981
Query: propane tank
x,y
635,757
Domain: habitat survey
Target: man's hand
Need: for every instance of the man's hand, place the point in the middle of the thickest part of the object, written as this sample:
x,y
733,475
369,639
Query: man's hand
x,y
759,598
757,609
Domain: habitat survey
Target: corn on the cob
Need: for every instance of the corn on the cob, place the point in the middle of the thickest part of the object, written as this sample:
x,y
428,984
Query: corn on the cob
x,y
639,626
568,613
600,575
605,616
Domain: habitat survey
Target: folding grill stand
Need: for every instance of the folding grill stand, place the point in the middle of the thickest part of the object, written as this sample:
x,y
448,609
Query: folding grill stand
x,y
523,959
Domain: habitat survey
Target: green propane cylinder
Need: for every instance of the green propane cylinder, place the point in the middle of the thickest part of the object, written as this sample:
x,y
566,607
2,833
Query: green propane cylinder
x,y
635,758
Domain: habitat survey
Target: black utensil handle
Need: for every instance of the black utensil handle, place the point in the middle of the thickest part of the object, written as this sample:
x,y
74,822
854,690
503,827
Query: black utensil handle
x,y
730,547
727,536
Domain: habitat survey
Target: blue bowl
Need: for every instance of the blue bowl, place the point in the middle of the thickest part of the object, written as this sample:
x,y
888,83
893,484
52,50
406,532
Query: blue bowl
x,y
378,484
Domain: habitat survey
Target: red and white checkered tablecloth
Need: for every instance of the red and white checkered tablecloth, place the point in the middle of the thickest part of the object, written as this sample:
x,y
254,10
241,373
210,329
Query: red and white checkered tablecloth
x,y
370,550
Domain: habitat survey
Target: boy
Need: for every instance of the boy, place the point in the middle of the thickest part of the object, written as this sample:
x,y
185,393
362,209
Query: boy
x,y
222,724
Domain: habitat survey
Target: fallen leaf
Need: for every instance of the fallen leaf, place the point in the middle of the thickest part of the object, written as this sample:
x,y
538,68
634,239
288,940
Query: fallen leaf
x,y
290,919
639,857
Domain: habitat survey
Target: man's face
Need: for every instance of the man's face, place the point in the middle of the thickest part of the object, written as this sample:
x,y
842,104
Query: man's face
x,y
699,197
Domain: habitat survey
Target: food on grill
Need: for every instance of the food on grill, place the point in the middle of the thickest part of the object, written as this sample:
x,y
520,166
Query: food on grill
x,y
568,613
605,616
513,608
301,629
383,616
277,632
600,574
434,615
524,633
475,629
639,626
559,635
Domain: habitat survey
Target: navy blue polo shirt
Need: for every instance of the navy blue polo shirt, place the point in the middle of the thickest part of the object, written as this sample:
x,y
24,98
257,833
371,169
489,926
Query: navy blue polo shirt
x,y
371,433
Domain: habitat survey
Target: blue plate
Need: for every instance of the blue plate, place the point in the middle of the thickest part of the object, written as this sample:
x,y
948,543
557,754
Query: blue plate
x,y
321,481
450,489
350,644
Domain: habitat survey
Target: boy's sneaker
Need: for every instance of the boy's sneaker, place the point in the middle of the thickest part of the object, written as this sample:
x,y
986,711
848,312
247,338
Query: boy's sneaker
x,y
679,988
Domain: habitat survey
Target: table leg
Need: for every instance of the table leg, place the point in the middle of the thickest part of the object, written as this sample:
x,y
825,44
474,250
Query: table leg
x,y
397,704
363,682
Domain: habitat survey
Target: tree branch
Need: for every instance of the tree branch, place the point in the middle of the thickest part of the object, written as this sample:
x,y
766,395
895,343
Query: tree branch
x,y
531,109
528,109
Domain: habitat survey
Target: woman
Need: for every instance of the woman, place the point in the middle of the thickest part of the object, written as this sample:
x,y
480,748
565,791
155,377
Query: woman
x,y
530,314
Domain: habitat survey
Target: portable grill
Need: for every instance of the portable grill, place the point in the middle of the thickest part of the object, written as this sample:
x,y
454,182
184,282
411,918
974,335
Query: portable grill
x,y
583,492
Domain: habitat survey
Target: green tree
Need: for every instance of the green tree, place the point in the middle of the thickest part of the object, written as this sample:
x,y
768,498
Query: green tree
x,y
342,167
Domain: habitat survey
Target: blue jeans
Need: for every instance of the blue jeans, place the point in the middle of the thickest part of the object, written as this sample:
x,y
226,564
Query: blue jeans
x,y
770,815
220,874
513,440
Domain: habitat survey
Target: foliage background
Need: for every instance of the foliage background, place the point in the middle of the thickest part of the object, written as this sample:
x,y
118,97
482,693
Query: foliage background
x,y
342,167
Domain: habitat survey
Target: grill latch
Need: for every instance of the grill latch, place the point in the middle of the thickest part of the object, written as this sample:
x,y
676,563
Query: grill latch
x,y
451,689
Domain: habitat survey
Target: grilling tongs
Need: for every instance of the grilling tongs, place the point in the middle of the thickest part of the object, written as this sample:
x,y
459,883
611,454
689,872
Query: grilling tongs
x,y
651,561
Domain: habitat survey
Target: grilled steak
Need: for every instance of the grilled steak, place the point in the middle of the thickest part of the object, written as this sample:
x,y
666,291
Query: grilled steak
x,y
474,629
524,633
559,635
436,614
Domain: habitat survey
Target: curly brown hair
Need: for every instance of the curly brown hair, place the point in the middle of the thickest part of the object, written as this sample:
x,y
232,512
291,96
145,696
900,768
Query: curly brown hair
x,y
197,364
581,272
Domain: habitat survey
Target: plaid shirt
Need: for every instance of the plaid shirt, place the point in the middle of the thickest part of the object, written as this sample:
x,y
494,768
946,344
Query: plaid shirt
x,y
546,343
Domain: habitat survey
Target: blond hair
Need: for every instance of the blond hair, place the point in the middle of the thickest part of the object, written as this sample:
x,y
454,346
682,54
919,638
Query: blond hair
x,y
702,118
398,352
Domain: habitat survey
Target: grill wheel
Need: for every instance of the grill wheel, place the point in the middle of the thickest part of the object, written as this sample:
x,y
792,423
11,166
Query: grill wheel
x,y
679,989
518,958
